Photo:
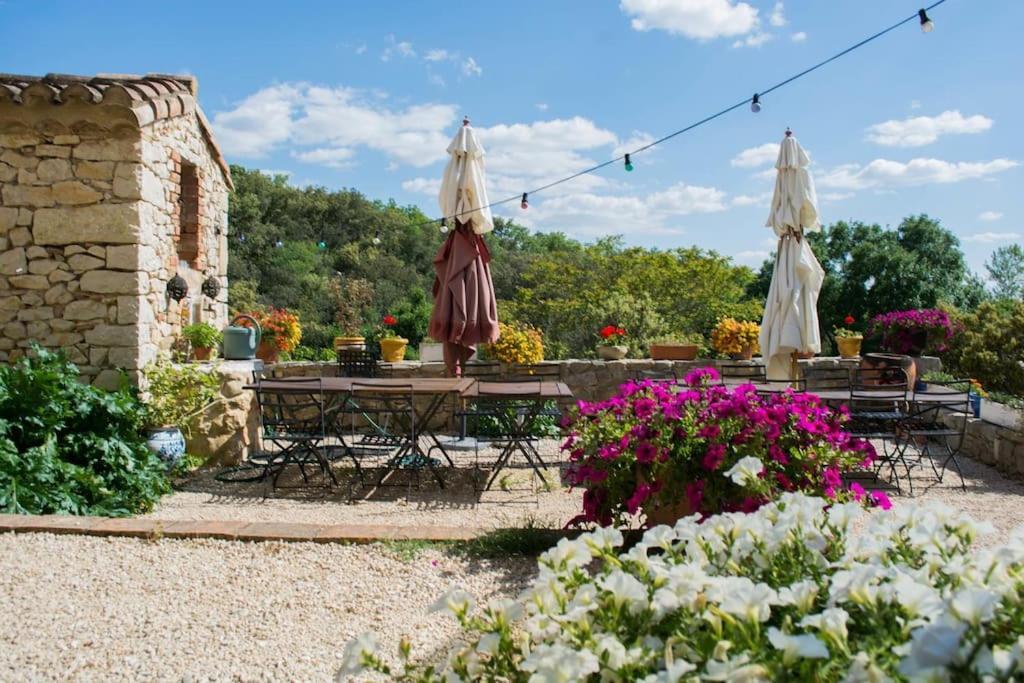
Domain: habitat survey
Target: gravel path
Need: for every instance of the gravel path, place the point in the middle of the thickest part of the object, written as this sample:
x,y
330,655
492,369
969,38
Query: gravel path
x,y
90,609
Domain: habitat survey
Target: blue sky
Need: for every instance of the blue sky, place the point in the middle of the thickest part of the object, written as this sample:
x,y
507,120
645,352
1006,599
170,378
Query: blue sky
x,y
367,94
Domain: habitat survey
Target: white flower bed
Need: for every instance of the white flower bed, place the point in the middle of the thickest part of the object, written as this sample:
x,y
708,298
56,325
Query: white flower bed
x,y
785,593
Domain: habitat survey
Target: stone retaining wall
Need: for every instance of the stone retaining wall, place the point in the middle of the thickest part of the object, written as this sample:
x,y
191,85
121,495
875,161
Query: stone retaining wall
x,y
995,445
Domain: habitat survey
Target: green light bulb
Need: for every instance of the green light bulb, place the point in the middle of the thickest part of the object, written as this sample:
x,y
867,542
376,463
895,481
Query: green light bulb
x,y
629,167
322,244
629,164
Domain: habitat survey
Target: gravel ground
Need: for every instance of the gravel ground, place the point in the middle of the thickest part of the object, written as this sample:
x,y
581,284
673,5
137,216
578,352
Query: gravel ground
x,y
85,608
518,498
108,609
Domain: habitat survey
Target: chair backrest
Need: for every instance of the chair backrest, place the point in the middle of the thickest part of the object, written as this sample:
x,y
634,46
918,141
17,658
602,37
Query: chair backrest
x,y
357,363
876,388
866,378
534,372
826,378
291,407
942,398
656,375
746,372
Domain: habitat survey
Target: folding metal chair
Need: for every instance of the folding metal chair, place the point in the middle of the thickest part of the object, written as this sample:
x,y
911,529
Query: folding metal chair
x,y
817,379
292,419
878,406
655,375
357,363
482,371
514,417
926,433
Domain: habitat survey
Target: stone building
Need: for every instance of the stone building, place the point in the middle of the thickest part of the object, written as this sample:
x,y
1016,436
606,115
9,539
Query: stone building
x,y
109,187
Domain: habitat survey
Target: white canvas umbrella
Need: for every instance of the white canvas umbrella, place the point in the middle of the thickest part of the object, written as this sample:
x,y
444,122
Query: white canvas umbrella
x,y
463,194
790,322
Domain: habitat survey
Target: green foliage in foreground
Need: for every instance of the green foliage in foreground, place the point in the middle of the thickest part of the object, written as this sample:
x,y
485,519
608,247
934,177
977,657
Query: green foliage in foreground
x,y
990,347
70,448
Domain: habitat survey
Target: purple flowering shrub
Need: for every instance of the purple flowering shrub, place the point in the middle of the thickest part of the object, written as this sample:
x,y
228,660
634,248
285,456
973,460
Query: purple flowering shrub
x,y
660,444
913,332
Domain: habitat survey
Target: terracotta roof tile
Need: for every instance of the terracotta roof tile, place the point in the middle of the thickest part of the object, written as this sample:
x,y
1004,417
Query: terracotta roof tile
x,y
151,97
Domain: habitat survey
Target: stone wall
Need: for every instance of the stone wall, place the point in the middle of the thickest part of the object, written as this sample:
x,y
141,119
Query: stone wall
x,y
998,446
86,235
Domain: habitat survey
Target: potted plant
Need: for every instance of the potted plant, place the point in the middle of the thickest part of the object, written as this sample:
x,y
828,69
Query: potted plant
x,y
517,344
351,299
280,332
737,339
685,347
203,338
913,332
848,341
740,450
174,395
431,351
392,347
610,346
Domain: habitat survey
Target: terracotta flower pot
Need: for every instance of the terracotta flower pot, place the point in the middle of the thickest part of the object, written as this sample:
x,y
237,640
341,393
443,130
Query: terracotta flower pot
x,y
746,354
606,352
267,351
803,355
201,354
667,514
849,347
674,351
893,364
392,349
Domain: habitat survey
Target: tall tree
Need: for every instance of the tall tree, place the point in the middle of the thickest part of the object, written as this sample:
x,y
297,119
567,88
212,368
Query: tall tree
x,y
1006,270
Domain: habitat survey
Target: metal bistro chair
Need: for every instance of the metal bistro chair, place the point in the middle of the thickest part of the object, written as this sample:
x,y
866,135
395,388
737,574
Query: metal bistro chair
x,y
742,373
826,379
357,363
926,432
390,423
481,371
549,410
656,375
513,417
878,401
292,419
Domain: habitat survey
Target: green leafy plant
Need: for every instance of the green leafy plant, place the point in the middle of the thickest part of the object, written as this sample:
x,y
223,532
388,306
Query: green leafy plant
x,y
201,335
176,393
988,345
70,448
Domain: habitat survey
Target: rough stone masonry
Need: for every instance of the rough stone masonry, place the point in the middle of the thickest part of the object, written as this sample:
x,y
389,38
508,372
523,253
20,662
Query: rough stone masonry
x,y
109,186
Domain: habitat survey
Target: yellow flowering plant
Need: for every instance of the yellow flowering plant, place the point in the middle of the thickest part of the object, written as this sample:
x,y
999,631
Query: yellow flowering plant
x,y
518,343
732,336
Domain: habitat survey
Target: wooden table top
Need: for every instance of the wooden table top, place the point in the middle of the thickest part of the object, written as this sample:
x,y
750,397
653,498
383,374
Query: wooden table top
x,y
541,389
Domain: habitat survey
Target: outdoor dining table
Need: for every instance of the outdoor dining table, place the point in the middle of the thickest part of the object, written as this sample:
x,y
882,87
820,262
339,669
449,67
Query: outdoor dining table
x,y
933,394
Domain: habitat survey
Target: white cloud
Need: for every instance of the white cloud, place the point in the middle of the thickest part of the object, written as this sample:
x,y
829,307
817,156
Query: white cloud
x,y
361,49
884,173
923,130
308,116
397,48
992,237
431,186
752,199
777,17
635,141
798,37
335,157
471,68
542,106
834,196
259,122
751,257
586,214
437,55
990,215
543,150
436,79
754,40
699,19
757,156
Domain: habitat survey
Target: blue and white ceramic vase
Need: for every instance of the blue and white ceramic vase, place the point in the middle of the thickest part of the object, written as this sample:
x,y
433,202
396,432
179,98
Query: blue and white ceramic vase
x,y
168,443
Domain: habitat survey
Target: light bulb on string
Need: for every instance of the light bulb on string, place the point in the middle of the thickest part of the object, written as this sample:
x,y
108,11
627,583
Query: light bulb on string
x,y
444,225
755,103
376,238
241,237
926,23
524,204
279,244
322,244
629,164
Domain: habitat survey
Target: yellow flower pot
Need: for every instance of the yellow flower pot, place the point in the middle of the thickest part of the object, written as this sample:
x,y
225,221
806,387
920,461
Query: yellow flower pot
x,y
392,349
849,347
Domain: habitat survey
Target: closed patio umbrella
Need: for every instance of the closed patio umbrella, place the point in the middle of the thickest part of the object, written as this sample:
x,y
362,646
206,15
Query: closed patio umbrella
x,y
790,322
465,311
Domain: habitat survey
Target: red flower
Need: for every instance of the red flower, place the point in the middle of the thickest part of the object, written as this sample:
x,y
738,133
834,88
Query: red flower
x,y
608,330
621,331
849,320
390,320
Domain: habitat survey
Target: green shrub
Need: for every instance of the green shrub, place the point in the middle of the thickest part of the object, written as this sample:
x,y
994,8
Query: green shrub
x,y
989,346
201,335
308,353
178,392
69,448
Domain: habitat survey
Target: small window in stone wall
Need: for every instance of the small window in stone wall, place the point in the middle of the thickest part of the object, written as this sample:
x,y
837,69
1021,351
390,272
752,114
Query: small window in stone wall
x,y
188,228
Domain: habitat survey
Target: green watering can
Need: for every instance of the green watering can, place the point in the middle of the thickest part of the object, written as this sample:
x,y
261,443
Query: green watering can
x,y
240,342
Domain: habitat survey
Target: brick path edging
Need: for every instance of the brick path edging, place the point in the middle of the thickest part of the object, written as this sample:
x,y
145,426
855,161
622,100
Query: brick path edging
x,y
231,531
